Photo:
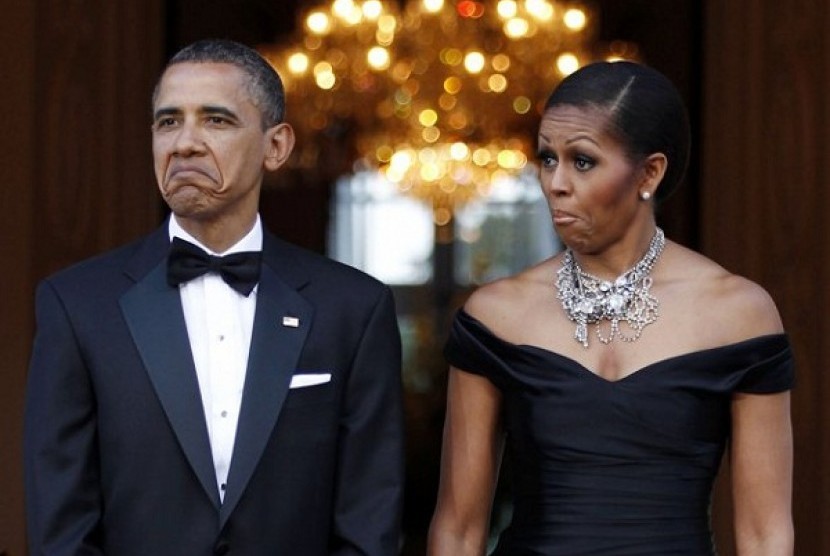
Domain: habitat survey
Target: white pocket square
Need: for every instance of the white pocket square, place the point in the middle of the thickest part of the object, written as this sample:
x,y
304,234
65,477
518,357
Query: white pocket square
x,y
303,380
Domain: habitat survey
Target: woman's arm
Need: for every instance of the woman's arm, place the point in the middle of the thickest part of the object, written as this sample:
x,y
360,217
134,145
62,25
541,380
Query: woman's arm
x,y
762,468
761,452
472,448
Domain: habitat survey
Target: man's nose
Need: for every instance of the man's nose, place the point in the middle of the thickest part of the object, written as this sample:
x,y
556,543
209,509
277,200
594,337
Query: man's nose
x,y
189,140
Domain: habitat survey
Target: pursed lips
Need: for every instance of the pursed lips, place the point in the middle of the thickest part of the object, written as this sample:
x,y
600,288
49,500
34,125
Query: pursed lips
x,y
183,170
563,217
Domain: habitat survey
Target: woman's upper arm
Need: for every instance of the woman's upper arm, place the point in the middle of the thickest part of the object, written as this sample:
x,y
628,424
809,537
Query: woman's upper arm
x,y
761,457
470,458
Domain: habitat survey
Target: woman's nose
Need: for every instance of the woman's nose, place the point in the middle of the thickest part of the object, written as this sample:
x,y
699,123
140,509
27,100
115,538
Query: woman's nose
x,y
556,182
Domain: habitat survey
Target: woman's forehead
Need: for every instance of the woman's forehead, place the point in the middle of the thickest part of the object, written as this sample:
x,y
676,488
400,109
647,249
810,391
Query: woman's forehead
x,y
567,120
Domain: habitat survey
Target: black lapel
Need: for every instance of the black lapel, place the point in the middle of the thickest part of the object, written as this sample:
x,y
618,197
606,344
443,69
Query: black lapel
x,y
283,319
153,312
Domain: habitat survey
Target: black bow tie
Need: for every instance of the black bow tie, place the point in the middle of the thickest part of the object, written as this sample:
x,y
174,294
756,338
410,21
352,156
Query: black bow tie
x,y
187,261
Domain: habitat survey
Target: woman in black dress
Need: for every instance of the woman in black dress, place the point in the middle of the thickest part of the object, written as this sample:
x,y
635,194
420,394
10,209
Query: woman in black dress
x,y
617,373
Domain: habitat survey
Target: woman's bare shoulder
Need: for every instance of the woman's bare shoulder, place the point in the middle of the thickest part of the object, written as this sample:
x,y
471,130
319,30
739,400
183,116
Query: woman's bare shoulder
x,y
740,307
748,306
504,302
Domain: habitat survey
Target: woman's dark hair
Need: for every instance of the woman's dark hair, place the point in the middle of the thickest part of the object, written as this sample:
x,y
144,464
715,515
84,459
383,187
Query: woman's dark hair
x,y
264,84
645,111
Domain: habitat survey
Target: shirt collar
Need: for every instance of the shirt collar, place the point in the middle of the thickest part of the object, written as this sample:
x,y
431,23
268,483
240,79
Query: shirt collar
x,y
252,241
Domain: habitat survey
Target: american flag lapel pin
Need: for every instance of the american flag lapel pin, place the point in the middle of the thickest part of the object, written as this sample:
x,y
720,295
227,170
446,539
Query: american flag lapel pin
x,y
291,322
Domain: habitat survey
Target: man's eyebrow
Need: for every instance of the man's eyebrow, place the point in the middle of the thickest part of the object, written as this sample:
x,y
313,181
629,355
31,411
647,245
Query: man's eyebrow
x,y
161,112
210,109
207,109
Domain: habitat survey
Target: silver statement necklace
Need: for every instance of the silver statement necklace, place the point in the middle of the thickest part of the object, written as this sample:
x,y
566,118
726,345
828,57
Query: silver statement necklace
x,y
588,299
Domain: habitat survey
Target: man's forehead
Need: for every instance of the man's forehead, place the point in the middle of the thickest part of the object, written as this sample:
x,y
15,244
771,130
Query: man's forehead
x,y
226,69
206,83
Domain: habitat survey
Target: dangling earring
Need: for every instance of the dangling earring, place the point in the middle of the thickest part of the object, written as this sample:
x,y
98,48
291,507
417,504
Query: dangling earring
x,y
645,195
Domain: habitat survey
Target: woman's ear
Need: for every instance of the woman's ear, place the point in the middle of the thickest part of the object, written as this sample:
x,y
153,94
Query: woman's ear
x,y
653,170
280,145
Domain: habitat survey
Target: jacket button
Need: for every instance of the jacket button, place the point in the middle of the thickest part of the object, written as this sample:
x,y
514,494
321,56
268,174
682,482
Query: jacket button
x,y
221,548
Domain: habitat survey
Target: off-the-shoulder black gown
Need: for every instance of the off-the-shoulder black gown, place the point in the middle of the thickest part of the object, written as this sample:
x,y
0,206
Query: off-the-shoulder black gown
x,y
618,468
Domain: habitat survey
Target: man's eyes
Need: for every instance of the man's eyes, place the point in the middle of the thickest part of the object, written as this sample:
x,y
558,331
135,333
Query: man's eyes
x,y
168,122
164,122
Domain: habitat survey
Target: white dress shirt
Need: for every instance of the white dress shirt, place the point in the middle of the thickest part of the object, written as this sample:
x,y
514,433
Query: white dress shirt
x,y
219,323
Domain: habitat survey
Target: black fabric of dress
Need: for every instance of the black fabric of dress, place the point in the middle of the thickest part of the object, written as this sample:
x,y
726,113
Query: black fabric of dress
x,y
616,468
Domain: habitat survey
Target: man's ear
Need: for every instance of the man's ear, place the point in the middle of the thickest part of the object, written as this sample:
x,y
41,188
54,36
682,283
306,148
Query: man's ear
x,y
280,145
654,168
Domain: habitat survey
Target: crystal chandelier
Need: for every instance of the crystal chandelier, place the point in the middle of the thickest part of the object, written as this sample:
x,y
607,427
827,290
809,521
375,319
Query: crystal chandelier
x,y
441,96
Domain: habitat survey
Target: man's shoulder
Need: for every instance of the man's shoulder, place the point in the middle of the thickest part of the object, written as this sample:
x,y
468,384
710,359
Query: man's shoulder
x,y
321,268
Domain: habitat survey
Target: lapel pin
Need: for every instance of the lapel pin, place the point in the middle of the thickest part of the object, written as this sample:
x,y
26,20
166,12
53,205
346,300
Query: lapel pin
x,y
292,322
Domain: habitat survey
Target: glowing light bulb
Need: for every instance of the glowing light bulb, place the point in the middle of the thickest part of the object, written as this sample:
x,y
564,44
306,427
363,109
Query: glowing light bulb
x,y
567,63
522,105
325,80
481,157
470,9
516,28
447,101
372,9
507,9
540,9
431,134
430,172
575,19
324,75
433,6
501,62
497,83
298,63
428,117
387,23
452,85
378,58
318,23
459,151
451,56
342,8
474,62
322,67
401,161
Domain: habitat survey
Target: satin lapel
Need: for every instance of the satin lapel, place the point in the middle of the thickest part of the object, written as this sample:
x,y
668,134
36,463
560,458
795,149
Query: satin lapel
x,y
154,315
275,349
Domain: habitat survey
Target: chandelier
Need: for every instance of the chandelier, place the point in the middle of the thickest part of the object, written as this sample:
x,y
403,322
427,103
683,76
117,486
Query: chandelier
x,y
441,96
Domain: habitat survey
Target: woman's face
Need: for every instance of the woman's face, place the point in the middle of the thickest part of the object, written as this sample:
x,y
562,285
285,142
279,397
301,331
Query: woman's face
x,y
590,182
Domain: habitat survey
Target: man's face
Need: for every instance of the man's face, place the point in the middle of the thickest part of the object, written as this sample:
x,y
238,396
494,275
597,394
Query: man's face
x,y
209,148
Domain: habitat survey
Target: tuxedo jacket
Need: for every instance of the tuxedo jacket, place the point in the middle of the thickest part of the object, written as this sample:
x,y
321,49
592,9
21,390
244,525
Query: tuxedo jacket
x,y
117,456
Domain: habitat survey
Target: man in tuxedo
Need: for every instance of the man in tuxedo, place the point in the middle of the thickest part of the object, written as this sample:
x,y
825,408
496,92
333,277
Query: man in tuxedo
x,y
210,389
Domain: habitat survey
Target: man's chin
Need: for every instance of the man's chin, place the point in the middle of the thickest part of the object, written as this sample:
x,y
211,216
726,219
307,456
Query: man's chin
x,y
187,202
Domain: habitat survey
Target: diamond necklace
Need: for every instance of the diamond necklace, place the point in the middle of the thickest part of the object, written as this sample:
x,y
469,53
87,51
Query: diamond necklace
x,y
588,299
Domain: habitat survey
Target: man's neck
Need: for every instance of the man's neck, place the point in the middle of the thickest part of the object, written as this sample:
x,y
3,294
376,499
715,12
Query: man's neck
x,y
217,237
